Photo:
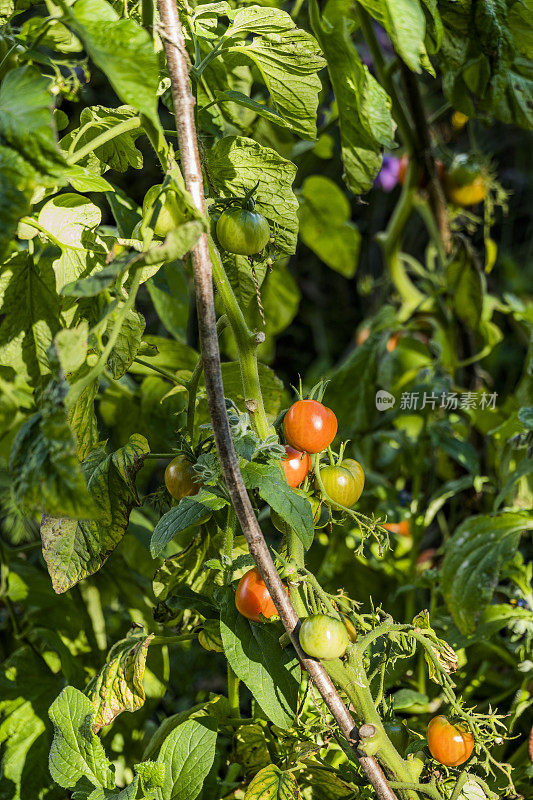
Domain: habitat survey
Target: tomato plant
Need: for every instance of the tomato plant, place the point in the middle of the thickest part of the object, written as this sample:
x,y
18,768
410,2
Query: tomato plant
x,y
200,208
323,637
309,426
450,744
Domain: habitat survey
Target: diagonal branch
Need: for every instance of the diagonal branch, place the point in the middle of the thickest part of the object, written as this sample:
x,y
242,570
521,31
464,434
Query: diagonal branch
x,y
178,68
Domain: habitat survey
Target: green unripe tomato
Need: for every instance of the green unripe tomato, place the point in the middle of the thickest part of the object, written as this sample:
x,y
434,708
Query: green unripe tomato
x,y
340,484
242,232
169,213
323,637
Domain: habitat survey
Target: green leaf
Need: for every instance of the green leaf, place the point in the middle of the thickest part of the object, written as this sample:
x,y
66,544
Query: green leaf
x,y
525,467
28,127
466,287
472,563
74,549
128,793
443,436
82,418
169,290
27,687
230,95
127,344
72,219
170,355
272,783
272,486
187,754
123,51
71,347
118,686
325,225
16,189
288,60
254,653
355,411
47,477
236,164
190,511
405,22
119,153
30,308
365,120
76,751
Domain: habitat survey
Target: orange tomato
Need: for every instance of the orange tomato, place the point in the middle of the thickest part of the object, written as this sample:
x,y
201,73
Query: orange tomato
x,y
402,528
252,597
450,744
296,465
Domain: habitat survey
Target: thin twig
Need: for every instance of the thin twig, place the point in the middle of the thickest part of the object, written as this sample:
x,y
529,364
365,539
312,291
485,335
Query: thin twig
x,y
178,68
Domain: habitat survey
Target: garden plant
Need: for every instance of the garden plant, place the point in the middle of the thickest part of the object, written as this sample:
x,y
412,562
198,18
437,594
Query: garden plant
x,y
266,400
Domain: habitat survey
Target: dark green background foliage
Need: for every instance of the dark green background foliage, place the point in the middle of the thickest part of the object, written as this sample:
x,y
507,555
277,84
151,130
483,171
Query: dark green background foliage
x,y
105,581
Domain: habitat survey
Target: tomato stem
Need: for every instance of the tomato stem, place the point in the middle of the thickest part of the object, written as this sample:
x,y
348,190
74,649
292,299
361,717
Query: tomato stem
x,y
233,692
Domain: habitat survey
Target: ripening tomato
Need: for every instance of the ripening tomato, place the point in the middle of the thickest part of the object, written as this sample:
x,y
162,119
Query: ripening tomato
x,y
296,465
392,342
252,597
350,627
468,195
357,471
180,479
323,637
309,426
242,232
459,120
341,486
402,528
450,744
165,209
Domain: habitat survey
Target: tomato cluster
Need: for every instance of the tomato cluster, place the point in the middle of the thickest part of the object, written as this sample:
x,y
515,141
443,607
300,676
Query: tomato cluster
x,y
463,182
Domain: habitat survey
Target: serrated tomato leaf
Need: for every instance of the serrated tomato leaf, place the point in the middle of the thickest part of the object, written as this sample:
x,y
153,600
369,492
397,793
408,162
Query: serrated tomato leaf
x,y
190,511
76,548
472,563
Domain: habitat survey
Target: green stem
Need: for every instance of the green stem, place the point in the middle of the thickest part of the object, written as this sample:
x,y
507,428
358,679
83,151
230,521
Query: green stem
x,y
425,788
461,780
313,582
296,553
164,640
246,345
164,372
38,227
123,127
160,455
77,388
147,13
233,692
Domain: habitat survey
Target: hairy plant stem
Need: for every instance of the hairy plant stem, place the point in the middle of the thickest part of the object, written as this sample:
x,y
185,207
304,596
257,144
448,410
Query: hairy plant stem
x,y
178,67
164,372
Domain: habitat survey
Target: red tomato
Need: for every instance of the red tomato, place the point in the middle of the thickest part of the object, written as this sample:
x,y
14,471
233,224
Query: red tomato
x,y
179,478
450,744
309,426
295,466
253,598
392,342
403,528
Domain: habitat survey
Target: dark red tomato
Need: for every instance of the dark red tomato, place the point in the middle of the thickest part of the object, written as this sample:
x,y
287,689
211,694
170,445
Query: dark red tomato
x,y
340,485
309,426
179,478
450,744
253,598
295,466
